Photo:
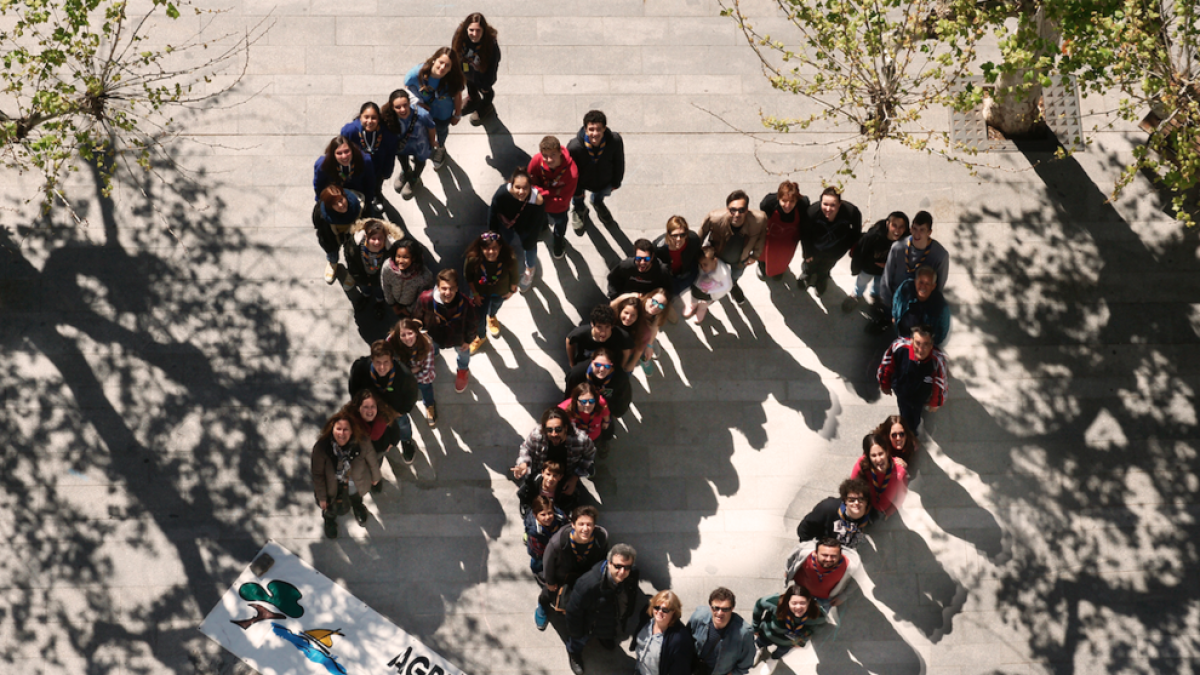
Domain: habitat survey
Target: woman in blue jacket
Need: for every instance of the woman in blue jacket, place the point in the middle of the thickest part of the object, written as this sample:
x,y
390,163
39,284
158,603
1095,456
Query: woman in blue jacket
x,y
345,166
438,87
374,140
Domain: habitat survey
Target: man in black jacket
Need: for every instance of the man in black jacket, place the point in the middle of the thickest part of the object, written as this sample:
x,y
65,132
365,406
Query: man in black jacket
x,y
599,154
832,227
843,519
391,382
642,273
869,256
601,602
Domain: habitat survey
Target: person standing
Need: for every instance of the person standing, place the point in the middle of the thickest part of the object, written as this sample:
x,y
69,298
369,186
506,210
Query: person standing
x,y
438,87
641,273
343,467
491,271
869,256
569,554
824,569
723,641
887,477
833,226
479,52
599,153
601,603
918,302
663,643
344,165
784,620
555,176
738,235
374,141
516,212
449,318
334,213
416,137
393,383
910,254
786,210
915,371
843,517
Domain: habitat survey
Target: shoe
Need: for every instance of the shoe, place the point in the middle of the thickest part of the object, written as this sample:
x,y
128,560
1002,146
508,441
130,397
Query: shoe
x,y
461,379
737,295
493,326
540,619
849,304
761,655
604,215
477,344
438,158
761,270
406,192
399,183
408,450
360,512
431,415
475,119
526,279
330,272
560,246
576,663
822,284
577,222
331,528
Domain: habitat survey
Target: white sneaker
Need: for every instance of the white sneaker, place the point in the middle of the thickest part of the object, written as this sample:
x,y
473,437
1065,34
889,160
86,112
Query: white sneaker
x,y
330,272
577,222
438,158
526,280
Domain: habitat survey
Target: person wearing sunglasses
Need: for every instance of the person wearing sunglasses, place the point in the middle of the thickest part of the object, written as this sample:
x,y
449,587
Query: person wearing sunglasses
x,y
680,251
588,410
738,234
664,645
641,273
601,603
843,517
724,641
606,377
824,568
555,438
901,438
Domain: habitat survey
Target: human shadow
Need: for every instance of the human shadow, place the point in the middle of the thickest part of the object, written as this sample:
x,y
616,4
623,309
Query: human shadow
x,y
505,155
450,226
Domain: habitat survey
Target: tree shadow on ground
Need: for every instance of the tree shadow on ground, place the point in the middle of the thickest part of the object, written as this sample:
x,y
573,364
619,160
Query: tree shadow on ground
x,y
863,642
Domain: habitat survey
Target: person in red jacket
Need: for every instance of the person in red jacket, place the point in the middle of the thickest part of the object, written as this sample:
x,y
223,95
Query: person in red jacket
x,y
555,176
916,371
886,476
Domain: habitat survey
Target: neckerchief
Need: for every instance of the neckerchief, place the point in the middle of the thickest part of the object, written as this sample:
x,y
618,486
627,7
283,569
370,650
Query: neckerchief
x,y
372,261
446,314
432,93
880,484
345,172
342,456
375,377
581,551
915,266
812,561
604,386
852,526
552,178
412,126
486,277
794,626
509,222
594,151
372,144
470,58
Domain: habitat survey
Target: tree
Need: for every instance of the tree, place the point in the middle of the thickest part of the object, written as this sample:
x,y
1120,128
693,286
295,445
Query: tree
x,y
82,81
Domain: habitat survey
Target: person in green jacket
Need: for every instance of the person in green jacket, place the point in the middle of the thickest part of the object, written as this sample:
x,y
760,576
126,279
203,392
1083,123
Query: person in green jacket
x,y
784,621
491,272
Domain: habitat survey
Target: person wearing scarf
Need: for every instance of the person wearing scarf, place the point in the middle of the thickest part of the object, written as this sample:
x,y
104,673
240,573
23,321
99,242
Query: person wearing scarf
x,y
599,153
608,379
344,467
449,319
886,477
393,383
572,551
784,620
825,569
843,517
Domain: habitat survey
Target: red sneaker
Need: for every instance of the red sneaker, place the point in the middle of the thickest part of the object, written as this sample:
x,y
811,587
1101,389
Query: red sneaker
x,y
460,380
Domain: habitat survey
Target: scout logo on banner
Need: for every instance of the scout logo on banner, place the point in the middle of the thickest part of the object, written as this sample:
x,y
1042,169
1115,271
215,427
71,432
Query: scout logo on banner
x,y
282,617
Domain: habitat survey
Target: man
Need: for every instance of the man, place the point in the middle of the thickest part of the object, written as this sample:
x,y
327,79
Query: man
x,y
601,602
640,274
916,371
392,383
833,226
611,381
555,176
599,153
600,331
738,235
825,569
449,318
909,254
869,256
918,302
724,641
842,518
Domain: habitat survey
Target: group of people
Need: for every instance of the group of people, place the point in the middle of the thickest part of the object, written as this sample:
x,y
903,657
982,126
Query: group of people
x,y
679,275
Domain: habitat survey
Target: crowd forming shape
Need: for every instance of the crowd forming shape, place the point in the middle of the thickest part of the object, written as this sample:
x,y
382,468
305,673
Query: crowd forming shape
x,y
583,579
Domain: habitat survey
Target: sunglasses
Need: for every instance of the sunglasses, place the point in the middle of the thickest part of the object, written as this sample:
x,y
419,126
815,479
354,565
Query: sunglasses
x,y
587,401
898,434
641,258
615,566
737,211
720,610
677,235
602,366
657,304
662,609
490,236
556,430
856,500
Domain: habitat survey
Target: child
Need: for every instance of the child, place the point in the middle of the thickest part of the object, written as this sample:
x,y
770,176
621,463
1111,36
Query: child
x,y
549,484
713,283
491,272
541,522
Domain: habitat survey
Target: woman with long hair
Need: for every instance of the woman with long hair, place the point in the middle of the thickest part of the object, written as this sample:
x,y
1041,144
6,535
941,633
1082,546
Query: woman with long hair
x,y
588,410
375,141
376,417
475,43
645,333
784,621
516,212
415,137
902,440
344,165
344,467
413,347
888,479
490,269
438,86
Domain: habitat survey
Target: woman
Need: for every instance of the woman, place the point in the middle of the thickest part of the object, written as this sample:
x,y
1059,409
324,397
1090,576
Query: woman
x,y
572,550
475,43
413,347
366,251
344,165
336,210
602,373
785,621
588,410
888,479
626,308
681,251
491,272
664,644
645,333
438,85
374,141
785,211
516,212
901,439
343,466
555,438
404,277
415,135
375,417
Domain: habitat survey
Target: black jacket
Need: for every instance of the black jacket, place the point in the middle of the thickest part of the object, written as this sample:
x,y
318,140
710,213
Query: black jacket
x,y
608,170
530,219
818,236
678,649
871,249
559,563
823,521
593,608
617,391
691,262
403,394
625,278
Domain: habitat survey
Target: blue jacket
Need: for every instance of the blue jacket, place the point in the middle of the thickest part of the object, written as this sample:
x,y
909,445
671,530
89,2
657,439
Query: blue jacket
x,y
384,156
415,141
363,181
935,312
434,97
735,651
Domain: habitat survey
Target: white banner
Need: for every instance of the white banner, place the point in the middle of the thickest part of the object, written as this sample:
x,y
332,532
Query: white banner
x,y
282,617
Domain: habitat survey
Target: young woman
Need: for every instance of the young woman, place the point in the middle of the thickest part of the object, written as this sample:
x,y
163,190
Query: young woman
x,y
475,43
404,276
366,251
516,212
491,272
888,479
664,643
345,166
713,282
681,251
542,520
606,377
344,467
588,410
414,348
645,333
375,417
333,215
415,136
626,307
374,140
785,210
438,85
785,621
902,440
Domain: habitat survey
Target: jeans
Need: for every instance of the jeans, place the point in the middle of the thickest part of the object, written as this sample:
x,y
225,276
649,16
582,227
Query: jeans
x,y
426,390
464,355
412,167
558,221
575,645
736,270
489,307
597,198
405,427
443,130
909,412
860,284
530,252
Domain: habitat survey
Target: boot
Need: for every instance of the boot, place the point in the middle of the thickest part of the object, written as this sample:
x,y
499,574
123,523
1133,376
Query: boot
x,y
359,509
331,529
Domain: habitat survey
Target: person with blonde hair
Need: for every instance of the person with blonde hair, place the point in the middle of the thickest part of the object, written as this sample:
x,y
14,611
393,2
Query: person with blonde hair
x,y
664,644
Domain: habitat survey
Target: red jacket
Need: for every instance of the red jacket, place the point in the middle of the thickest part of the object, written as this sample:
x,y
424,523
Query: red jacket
x,y
557,186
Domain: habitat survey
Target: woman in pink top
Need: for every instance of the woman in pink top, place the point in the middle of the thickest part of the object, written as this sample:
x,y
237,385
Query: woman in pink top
x,y
888,479
588,410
